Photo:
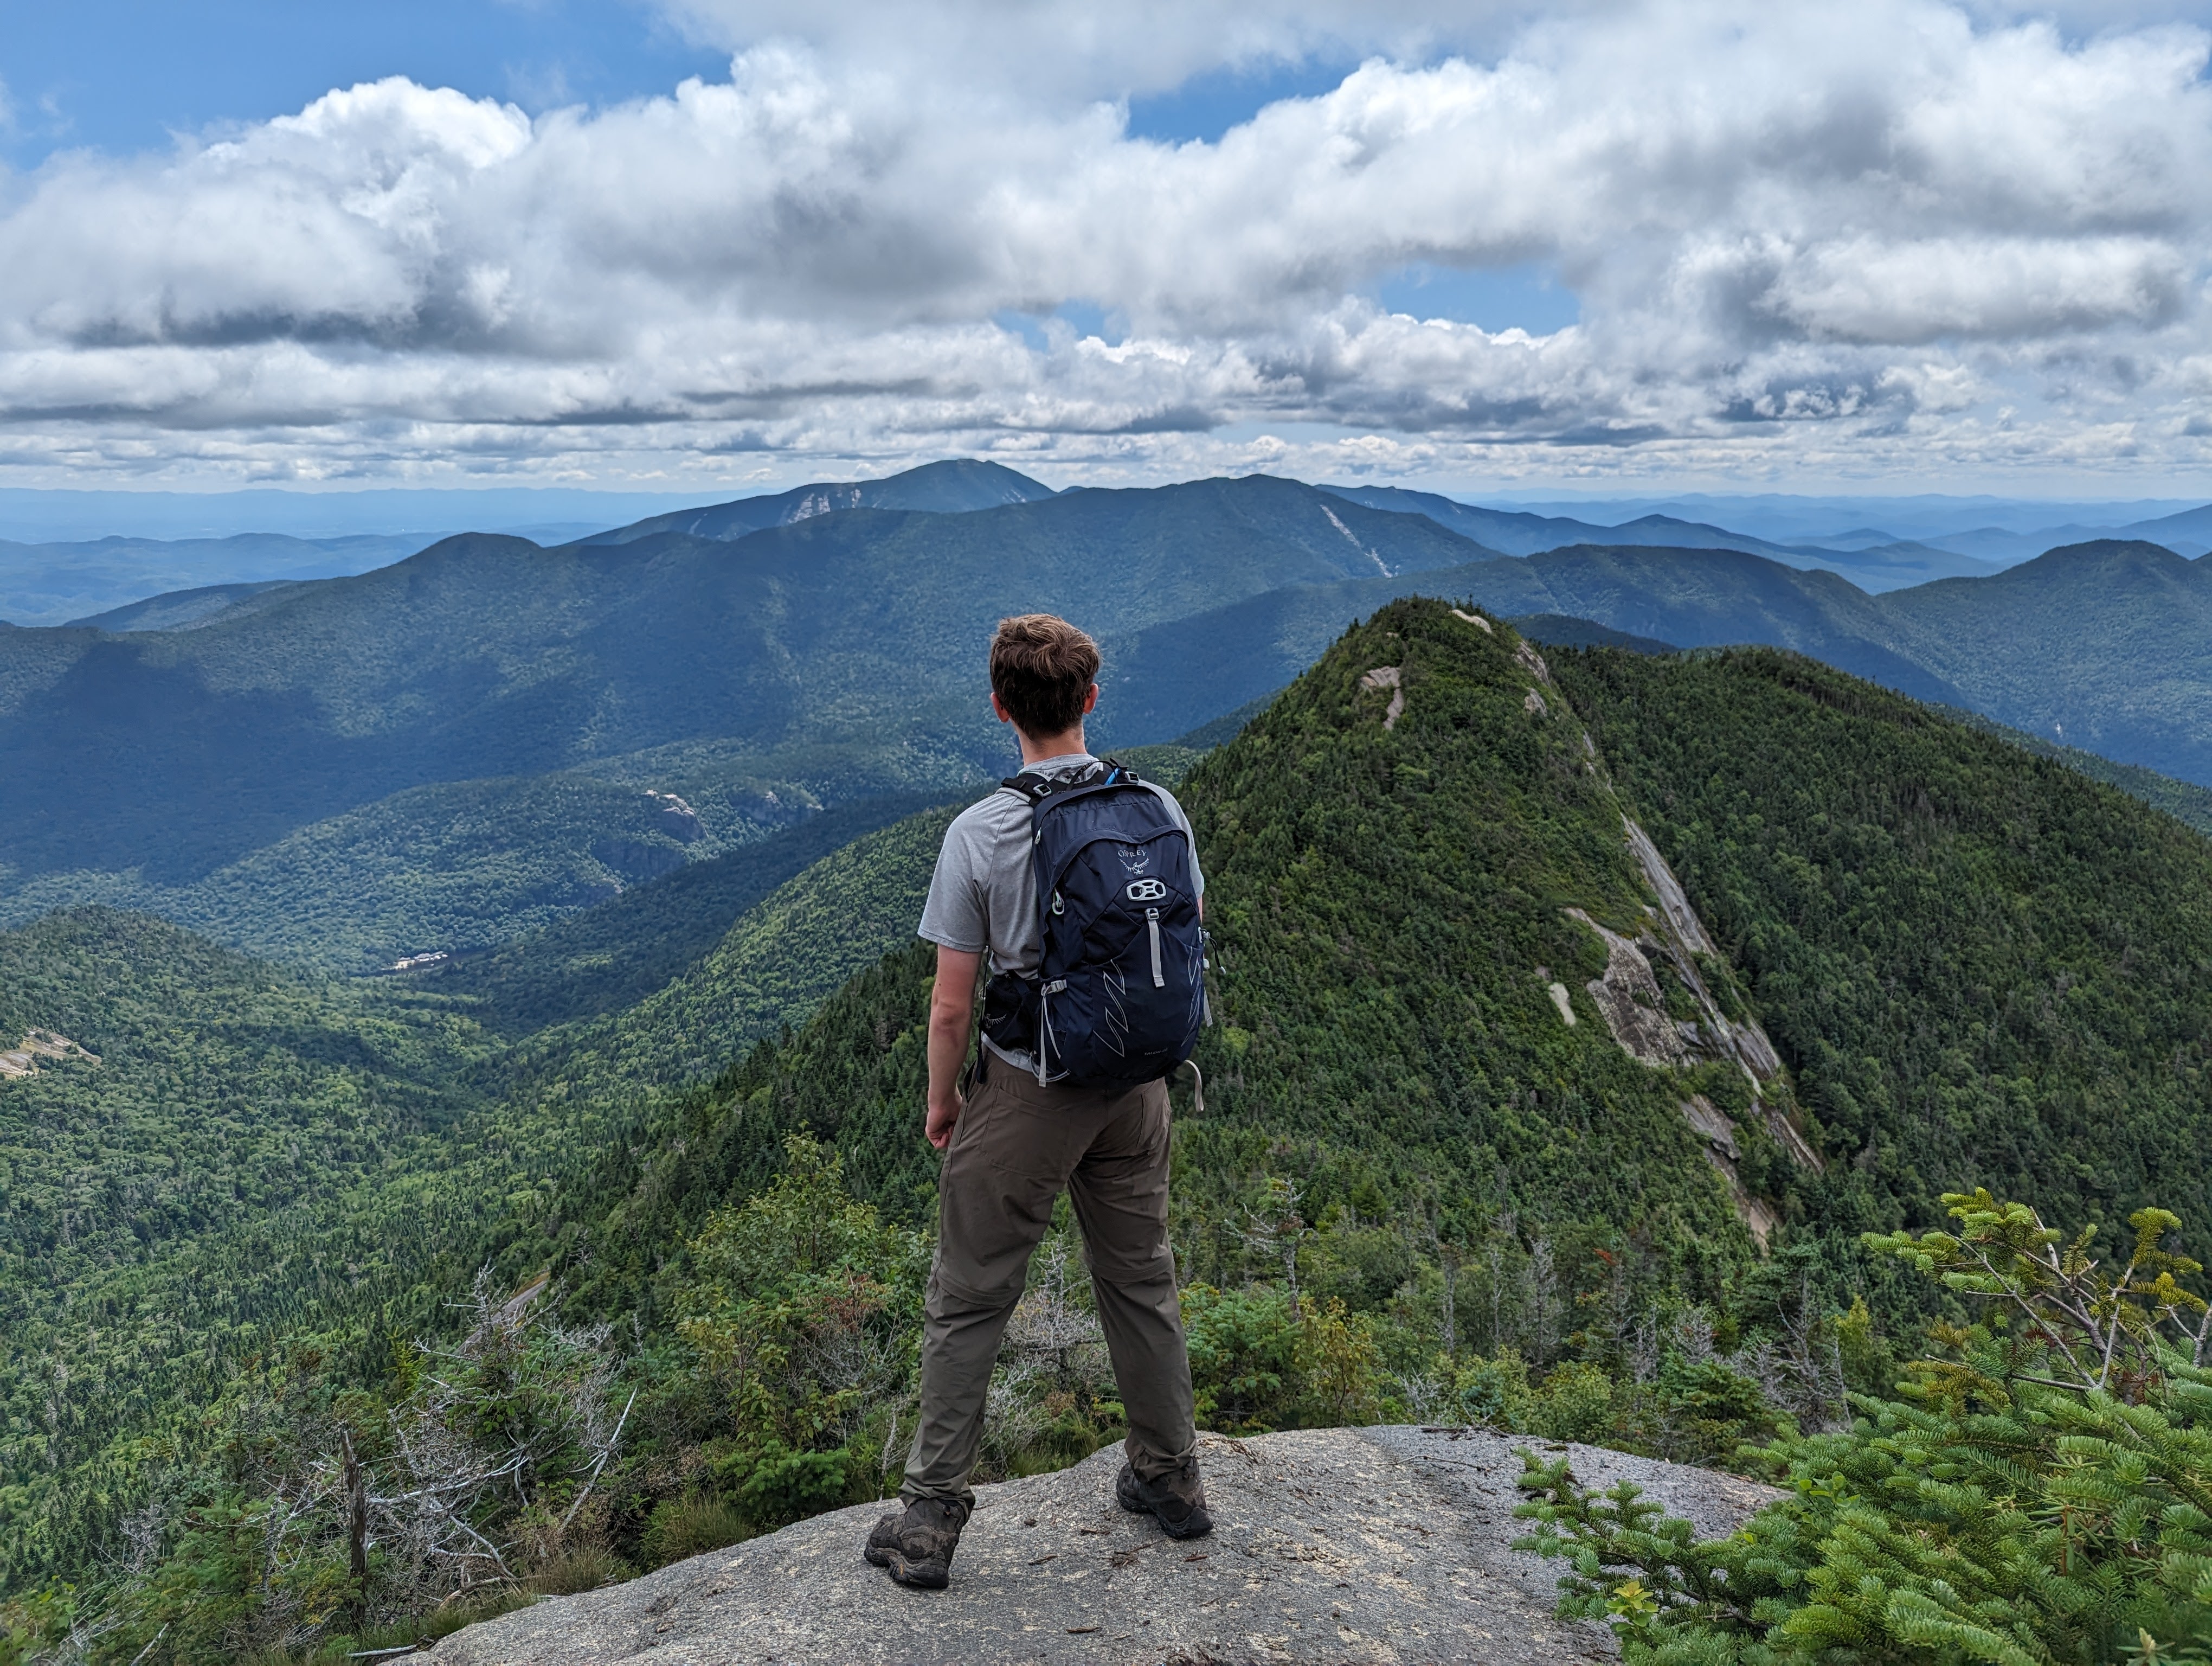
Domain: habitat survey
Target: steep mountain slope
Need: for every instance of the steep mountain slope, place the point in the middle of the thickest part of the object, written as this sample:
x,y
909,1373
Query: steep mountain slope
x,y
958,487
840,651
1984,968
181,609
615,955
168,1201
1437,944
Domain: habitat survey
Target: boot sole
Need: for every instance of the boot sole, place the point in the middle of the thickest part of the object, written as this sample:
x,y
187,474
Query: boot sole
x,y
917,1576
1189,1528
1193,1526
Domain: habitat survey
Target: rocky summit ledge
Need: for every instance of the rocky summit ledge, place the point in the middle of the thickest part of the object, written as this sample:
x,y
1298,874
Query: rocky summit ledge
x,y
1334,1547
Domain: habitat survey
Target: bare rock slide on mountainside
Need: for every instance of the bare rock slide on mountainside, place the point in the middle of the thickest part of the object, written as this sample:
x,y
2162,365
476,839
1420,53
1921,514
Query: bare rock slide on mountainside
x,y
1627,993
1331,1547
23,1060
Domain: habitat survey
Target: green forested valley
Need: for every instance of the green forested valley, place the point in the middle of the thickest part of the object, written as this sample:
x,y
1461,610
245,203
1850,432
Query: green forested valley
x,y
1499,1126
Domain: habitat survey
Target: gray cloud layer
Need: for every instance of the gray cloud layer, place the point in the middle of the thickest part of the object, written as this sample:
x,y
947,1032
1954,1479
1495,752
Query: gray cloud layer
x,y
1892,238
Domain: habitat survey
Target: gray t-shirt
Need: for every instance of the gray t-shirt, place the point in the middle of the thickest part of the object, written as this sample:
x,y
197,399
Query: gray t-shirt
x,y
983,895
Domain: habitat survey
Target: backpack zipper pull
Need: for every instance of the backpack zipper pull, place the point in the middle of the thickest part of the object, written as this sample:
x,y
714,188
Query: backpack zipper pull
x,y
1153,925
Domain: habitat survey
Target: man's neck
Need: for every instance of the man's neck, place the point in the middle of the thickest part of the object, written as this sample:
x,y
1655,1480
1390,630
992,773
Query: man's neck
x,y
1067,744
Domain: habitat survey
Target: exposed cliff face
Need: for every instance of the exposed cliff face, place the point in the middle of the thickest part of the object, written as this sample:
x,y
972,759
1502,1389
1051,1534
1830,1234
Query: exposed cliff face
x,y
37,1044
678,819
1388,1545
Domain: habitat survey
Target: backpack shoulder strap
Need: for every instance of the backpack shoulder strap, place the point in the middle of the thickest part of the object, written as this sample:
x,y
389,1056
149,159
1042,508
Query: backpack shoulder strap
x,y
1119,774
1036,788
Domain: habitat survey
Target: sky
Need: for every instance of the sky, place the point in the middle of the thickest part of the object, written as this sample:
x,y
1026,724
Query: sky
x,y
684,246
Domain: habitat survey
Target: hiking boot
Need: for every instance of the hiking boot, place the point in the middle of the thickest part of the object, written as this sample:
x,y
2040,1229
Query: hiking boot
x,y
1178,1500
916,1543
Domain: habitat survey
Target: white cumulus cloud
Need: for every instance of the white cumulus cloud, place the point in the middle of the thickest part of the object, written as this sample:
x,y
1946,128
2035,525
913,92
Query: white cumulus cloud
x,y
1902,235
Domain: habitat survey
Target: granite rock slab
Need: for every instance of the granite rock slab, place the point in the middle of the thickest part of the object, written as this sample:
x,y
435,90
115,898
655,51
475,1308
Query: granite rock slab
x,y
1377,1546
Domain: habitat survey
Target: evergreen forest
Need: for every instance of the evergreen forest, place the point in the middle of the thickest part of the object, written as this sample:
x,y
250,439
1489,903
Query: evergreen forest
x,y
1709,1054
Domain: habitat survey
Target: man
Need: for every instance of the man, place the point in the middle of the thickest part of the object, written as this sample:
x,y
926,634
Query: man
x,y
1013,1145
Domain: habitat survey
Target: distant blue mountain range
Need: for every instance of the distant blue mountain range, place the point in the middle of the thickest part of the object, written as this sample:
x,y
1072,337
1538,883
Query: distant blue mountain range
x,y
491,732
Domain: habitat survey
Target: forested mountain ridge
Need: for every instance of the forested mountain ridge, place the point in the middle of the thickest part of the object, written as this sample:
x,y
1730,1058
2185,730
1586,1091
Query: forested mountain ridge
x,y
2105,644
957,487
1889,566
459,748
2107,641
1231,654
836,655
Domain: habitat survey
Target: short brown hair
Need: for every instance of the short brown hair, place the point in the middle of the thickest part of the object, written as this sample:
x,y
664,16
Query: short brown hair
x,y
1041,667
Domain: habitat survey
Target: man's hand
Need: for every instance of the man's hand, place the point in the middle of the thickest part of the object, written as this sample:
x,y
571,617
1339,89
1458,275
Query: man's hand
x,y
943,1115
951,1011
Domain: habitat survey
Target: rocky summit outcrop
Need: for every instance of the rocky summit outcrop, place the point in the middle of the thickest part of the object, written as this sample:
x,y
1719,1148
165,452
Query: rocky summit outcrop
x,y
1332,1547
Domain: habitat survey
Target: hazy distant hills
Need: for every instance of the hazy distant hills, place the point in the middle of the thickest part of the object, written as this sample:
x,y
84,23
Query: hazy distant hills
x,y
51,584
2001,530
1878,562
958,487
2187,533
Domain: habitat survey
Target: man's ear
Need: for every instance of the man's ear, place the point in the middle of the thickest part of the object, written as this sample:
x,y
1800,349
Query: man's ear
x,y
1000,707
1089,700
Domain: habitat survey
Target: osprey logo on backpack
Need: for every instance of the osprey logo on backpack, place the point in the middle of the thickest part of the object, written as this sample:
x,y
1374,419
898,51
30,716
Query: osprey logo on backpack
x,y
1120,991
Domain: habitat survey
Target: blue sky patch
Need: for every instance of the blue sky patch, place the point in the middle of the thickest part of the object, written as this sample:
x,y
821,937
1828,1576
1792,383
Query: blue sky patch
x,y
121,75
1207,106
1529,297
1084,318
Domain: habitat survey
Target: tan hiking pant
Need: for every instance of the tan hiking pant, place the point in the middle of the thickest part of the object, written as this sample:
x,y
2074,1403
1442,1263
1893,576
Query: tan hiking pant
x,y
1016,1148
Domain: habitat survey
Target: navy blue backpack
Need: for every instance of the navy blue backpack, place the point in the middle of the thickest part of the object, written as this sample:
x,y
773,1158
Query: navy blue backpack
x,y
1120,992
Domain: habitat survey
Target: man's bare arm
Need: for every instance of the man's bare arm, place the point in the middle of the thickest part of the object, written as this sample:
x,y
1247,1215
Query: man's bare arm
x,y
951,1011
